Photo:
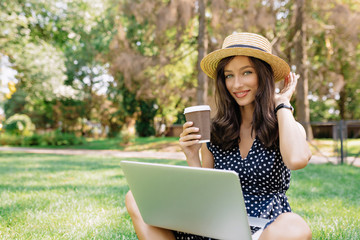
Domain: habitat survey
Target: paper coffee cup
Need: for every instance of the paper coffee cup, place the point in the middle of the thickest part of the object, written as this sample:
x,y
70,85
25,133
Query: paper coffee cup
x,y
200,116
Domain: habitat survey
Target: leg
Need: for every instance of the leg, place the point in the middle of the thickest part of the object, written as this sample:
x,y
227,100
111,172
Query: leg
x,y
143,230
289,226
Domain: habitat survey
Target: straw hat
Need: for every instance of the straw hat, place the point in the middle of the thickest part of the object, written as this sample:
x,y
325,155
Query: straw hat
x,y
246,44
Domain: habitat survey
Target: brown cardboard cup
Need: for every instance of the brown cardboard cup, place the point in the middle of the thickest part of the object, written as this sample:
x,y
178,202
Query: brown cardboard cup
x,y
200,116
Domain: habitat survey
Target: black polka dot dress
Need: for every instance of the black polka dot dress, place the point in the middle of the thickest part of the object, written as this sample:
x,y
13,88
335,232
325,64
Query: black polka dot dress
x,y
264,180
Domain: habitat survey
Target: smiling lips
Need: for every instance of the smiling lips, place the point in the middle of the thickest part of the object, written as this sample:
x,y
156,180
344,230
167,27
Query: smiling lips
x,y
241,94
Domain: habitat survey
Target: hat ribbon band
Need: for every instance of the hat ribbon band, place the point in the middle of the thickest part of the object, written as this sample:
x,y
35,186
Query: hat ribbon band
x,y
245,46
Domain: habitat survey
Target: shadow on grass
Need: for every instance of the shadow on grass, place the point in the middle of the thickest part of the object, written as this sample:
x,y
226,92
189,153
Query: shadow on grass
x,y
30,183
32,162
98,190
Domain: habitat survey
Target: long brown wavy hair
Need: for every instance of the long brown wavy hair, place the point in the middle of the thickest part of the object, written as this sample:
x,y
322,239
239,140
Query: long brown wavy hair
x,y
225,128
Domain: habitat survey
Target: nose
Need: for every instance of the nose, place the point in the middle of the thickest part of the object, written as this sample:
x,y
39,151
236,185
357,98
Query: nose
x,y
238,82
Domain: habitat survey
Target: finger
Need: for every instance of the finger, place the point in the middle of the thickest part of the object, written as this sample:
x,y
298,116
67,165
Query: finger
x,y
187,124
189,130
190,137
189,143
294,79
286,80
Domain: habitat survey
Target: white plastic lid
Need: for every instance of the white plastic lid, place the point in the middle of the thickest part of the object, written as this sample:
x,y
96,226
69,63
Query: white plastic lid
x,y
197,108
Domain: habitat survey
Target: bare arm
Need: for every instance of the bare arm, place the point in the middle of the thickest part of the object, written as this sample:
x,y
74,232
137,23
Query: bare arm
x,y
293,146
207,157
294,149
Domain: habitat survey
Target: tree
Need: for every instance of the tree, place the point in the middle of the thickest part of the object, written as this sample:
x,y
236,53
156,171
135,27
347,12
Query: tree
x,y
301,59
42,38
65,51
154,52
202,86
333,58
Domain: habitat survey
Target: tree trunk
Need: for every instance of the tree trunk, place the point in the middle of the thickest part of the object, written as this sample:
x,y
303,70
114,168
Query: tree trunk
x,y
302,102
202,88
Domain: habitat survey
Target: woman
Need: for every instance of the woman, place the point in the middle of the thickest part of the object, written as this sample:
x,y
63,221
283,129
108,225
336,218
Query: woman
x,y
253,133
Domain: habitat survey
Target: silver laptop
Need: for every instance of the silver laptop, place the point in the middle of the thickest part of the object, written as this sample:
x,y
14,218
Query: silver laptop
x,y
201,201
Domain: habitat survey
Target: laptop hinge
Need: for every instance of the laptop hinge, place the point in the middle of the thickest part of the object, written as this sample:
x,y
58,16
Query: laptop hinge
x,y
258,222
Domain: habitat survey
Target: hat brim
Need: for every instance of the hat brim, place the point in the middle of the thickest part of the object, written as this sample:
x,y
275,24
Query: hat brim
x,y
209,63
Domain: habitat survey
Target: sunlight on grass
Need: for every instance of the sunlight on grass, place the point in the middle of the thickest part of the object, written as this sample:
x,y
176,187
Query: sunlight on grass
x,y
327,197
82,197
329,147
62,197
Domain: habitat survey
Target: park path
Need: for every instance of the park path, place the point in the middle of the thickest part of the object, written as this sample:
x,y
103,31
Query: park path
x,y
113,153
146,154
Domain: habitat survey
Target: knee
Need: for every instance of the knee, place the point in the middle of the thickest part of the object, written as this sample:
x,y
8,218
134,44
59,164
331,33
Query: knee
x,y
288,226
296,226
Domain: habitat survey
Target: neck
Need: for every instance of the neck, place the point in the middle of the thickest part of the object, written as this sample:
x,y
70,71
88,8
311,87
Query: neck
x,y
247,115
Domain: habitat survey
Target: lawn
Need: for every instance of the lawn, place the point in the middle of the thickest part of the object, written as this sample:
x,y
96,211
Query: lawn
x,y
135,144
71,197
321,147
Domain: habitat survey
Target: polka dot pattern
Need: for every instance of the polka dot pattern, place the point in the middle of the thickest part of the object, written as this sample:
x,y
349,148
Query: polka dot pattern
x,y
264,180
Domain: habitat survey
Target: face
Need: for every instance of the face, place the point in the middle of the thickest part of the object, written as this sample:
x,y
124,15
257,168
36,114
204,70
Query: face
x,y
241,80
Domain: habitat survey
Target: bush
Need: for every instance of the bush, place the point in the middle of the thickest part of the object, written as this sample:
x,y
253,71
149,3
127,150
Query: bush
x,y
145,122
19,124
32,140
11,140
126,137
65,139
55,138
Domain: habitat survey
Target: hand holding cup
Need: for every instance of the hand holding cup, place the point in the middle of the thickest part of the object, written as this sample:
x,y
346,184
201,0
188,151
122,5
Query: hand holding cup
x,y
196,129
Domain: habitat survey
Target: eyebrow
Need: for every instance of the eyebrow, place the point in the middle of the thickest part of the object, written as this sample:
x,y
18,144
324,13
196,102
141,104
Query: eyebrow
x,y
244,67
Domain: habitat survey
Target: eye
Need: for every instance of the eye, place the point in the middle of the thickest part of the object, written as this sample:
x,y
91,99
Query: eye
x,y
228,76
247,73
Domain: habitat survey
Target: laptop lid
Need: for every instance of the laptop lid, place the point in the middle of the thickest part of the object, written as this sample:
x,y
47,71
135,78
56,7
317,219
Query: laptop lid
x,y
201,201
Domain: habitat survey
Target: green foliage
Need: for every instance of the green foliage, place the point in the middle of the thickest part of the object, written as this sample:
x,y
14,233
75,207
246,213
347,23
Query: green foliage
x,y
16,104
41,38
321,111
351,99
123,106
19,124
180,118
145,122
126,137
7,139
65,51
54,138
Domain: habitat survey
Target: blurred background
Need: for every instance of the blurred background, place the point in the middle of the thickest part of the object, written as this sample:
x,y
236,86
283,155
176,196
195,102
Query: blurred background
x,y
75,69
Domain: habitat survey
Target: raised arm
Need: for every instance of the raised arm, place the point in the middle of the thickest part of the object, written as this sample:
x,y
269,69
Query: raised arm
x,y
294,149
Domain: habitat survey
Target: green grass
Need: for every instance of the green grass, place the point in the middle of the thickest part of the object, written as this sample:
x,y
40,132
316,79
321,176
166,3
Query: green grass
x,y
327,197
136,144
353,147
63,197
71,197
325,146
